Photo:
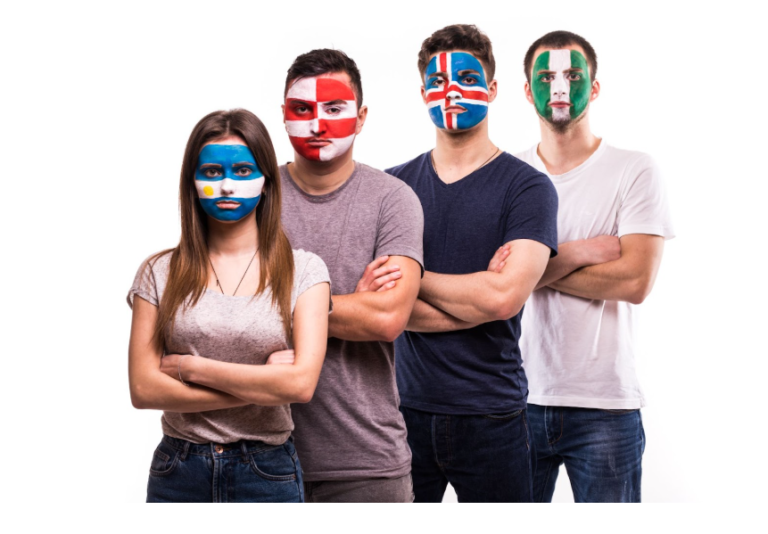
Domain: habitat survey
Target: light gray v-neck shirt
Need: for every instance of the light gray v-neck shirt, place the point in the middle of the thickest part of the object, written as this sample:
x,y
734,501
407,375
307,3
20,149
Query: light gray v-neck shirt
x,y
240,329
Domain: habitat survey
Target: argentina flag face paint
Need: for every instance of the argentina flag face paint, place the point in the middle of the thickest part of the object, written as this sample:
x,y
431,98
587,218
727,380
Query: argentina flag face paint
x,y
560,85
228,181
456,90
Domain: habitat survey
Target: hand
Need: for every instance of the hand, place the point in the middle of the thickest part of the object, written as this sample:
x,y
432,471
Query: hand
x,y
499,259
169,364
378,278
601,249
281,357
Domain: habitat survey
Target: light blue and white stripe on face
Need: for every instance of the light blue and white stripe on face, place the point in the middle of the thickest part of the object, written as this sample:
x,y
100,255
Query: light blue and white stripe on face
x,y
228,181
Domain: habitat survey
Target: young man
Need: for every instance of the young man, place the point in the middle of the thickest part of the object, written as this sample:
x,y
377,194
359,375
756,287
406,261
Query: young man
x,y
351,437
578,331
462,386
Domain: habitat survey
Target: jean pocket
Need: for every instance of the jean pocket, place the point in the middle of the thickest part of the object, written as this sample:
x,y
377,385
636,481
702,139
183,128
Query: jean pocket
x,y
619,411
503,416
164,461
275,464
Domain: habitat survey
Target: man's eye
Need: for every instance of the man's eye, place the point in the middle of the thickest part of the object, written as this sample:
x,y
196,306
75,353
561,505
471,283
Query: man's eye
x,y
244,171
212,173
546,78
574,76
437,82
334,110
301,109
469,80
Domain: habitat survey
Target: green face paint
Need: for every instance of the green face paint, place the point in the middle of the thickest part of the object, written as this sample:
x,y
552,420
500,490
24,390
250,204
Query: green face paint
x,y
560,85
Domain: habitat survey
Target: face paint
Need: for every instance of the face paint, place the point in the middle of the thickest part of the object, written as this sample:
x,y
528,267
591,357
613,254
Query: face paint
x,y
560,85
320,117
228,181
456,91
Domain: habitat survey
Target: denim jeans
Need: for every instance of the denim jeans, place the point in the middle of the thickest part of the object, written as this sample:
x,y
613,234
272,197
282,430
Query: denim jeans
x,y
602,451
486,458
244,471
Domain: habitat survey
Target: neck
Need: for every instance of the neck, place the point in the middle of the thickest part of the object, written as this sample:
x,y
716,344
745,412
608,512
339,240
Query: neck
x,y
458,154
564,151
240,238
321,177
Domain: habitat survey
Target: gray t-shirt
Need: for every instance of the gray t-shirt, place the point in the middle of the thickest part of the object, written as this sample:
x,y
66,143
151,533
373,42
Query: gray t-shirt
x,y
239,329
352,428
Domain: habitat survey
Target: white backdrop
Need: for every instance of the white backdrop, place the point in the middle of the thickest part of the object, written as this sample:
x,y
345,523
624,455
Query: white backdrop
x,y
98,102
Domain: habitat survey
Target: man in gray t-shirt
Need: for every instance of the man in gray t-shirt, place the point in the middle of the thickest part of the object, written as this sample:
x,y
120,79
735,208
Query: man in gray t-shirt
x,y
367,226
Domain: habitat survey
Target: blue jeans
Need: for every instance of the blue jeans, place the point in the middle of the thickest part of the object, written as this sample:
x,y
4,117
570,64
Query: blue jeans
x,y
602,451
244,471
486,458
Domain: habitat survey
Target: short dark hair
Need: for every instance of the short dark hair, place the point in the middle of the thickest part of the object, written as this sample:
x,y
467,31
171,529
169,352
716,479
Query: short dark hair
x,y
561,39
323,61
458,37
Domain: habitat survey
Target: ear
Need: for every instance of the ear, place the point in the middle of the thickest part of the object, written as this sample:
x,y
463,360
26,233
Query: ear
x,y
528,94
423,94
595,91
282,107
362,114
493,88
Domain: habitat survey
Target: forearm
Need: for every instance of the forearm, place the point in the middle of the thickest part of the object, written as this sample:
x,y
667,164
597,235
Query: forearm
x,y
365,317
161,392
474,298
606,281
567,261
264,385
427,318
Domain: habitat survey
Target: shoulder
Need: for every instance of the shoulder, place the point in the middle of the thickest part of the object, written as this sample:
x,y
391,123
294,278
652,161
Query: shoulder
x,y
379,179
385,186
409,168
303,259
631,160
309,270
158,264
527,156
519,175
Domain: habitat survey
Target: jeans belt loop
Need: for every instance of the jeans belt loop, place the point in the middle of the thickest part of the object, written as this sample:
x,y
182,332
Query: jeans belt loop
x,y
185,451
243,448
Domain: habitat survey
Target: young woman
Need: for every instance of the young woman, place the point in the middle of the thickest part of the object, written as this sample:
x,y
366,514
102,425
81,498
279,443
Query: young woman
x,y
231,297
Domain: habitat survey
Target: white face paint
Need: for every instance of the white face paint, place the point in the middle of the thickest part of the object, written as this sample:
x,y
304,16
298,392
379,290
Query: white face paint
x,y
560,61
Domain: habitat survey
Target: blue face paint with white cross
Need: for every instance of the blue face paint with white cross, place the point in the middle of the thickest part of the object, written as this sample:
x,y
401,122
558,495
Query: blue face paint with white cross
x,y
228,181
456,91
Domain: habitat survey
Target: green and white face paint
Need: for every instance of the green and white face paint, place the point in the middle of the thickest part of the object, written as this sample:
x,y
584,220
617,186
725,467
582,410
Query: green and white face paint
x,y
560,85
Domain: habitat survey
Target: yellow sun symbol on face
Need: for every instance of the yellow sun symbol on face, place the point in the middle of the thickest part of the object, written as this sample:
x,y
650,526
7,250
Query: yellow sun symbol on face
x,y
208,190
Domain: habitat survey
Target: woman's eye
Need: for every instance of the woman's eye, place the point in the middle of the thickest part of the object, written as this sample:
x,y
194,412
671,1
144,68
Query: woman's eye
x,y
212,173
243,171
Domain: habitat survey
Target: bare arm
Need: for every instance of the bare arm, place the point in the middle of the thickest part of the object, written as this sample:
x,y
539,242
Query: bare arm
x,y
489,296
151,388
427,318
273,385
577,254
377,315
629,278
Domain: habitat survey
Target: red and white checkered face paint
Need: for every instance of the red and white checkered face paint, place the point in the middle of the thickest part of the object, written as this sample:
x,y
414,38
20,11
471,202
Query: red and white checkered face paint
x,y
320,117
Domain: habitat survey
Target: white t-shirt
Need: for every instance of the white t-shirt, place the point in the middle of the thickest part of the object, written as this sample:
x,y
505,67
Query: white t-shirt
x,y
579,352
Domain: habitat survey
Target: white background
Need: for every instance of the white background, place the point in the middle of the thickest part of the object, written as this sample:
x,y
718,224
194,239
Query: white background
x,y
98,102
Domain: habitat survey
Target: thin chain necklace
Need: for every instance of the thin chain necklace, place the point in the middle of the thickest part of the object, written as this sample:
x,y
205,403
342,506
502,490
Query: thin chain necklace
x,y
434,167
241,279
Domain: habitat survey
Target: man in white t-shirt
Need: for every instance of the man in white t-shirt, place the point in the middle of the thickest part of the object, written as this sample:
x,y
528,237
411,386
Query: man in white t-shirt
x,y
578,329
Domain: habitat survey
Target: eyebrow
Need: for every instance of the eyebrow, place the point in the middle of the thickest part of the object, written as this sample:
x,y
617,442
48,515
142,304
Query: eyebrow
x,y
571,69
436,74
467,71
300,101
335,102
241,163
210,165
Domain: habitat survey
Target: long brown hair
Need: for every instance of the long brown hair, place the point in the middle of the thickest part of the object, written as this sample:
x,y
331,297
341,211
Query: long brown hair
x,y
188,275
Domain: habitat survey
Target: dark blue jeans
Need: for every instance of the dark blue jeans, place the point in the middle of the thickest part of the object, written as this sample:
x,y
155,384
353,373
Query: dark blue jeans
x,y
486,458
602,451
244,471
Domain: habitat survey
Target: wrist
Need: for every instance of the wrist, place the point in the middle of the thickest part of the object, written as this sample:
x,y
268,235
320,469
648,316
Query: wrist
x,y
188,366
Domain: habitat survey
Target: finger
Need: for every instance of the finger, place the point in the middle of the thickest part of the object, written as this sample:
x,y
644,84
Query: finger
x,y
378,262
387,286
379,282
385,270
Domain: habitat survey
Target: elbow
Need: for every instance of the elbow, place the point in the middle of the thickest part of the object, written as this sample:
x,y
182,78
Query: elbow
x,y
505,306
139,398
303,391
392,325
639,290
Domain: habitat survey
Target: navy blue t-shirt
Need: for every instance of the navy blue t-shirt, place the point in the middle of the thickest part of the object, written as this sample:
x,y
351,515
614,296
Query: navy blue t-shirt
x,y
479,370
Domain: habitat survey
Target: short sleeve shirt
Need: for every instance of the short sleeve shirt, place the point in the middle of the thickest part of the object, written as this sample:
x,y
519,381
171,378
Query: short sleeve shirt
x,y
236,329
478,370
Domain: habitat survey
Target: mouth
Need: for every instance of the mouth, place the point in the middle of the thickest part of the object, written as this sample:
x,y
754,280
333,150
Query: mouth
x,y
317,142
560,104
227,204
455,109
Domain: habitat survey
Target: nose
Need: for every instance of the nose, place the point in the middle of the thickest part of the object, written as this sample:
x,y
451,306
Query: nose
x,y
560,87
314,127
227,186
453,92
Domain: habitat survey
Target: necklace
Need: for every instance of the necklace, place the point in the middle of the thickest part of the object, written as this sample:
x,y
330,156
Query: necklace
x,y
241,279
434,167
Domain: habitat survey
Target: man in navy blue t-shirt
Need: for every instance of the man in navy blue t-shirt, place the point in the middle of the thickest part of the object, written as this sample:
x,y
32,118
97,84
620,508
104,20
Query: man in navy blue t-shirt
x,y
462,386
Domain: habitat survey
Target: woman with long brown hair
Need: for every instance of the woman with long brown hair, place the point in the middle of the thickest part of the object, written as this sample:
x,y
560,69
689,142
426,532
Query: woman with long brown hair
x,y
231,297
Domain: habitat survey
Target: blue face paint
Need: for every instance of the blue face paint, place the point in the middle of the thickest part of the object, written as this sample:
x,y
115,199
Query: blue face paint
x,y
228,181
456,91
